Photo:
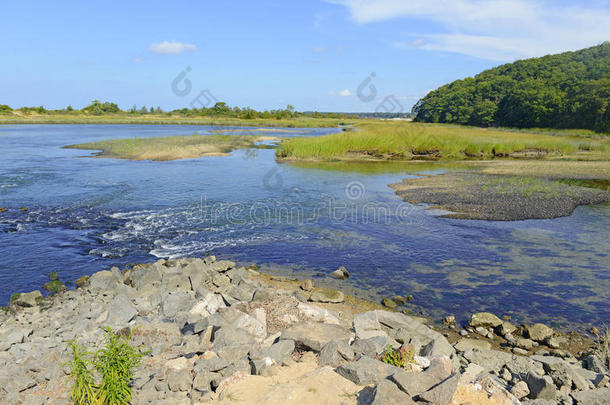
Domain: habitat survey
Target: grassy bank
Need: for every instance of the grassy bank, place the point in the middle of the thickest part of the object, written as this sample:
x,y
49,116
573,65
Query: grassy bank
x,y
165,119
171,147
390,140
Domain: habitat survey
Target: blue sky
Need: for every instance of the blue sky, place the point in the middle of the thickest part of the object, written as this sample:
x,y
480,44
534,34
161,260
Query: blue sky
x,y
266,54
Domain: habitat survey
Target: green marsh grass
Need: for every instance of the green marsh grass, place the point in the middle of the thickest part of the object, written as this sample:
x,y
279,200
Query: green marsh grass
x,y
387,140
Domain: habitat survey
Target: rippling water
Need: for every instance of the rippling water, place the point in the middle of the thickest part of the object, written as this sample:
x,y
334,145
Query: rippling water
x,y
86,214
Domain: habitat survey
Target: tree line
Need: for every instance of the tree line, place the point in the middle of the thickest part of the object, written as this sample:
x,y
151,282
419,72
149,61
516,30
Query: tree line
x,y
567,90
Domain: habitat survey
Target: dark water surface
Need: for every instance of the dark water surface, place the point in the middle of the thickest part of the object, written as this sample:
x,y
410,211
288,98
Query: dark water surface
x,y
87,214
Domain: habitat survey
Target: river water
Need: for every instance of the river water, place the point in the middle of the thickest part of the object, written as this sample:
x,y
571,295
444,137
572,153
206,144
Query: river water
x,y
87,214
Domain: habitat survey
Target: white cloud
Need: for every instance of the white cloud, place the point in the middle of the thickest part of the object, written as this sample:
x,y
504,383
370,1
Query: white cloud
x,y
345,93
171,48
493,29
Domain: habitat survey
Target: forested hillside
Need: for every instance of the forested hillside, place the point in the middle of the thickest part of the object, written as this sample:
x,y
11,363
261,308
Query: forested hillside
x,y
568,90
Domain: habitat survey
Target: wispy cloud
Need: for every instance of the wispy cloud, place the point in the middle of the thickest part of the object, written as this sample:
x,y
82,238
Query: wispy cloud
x,y
494,29
345,93
171,48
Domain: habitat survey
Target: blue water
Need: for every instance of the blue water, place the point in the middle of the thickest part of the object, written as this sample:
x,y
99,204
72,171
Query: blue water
x,y
86,214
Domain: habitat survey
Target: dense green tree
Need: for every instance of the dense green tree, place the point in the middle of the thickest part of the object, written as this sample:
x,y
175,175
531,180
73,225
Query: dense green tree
x,y
568,90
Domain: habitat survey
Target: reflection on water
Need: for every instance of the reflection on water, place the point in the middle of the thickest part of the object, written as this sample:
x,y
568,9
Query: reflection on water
x,y
303,219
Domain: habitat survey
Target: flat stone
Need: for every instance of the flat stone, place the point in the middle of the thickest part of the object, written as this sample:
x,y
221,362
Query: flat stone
x,y
386,393
279,351
329,296
314,335
366,371
592,397
442,393
414,383
490,360
175,302
485,320
538,332
466,344
371,347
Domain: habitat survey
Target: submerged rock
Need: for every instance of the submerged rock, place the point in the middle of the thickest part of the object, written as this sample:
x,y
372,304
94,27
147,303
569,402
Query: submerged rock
x,y
389,303
82,282
54,286
2,209
341,273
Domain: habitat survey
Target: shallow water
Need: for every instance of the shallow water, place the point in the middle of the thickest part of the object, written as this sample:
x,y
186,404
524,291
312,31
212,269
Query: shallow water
x,y
86,214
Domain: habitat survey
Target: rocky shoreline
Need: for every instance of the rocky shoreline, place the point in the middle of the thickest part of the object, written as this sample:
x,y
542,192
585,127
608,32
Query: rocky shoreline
x,y
491,197
220,333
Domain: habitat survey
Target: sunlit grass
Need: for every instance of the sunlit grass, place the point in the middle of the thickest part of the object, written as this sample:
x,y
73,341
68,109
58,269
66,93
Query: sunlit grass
x,y
171,147
407,141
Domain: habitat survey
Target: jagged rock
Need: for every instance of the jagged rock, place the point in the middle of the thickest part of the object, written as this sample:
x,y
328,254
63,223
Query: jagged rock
x,y
372,346
442,393
174,302
330,296
386,393
341,273
592,397
538,332
120,311
466,344
335,353
440,366
366,371
541,387
414,383
314,335
29,299
485,320
594,363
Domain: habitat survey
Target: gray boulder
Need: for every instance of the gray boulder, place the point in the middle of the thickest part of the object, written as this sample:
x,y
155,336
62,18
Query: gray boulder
x,y
314,335
104,282
442,393
366,371
414,383
120,311
386,393
335,353
541,387
174,302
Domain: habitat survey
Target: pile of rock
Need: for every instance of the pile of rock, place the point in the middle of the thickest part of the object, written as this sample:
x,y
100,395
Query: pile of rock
x,y
211,326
